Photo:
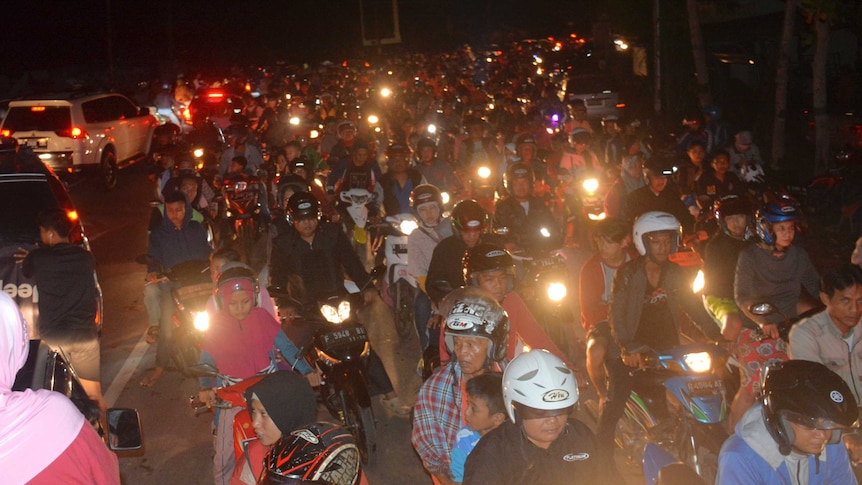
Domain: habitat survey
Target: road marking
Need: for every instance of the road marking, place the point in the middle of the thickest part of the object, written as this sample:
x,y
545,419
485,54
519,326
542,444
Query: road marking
x,y
125,374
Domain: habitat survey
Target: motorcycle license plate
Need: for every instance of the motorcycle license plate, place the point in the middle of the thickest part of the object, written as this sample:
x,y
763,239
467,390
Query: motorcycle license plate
x,y
346,336
704,387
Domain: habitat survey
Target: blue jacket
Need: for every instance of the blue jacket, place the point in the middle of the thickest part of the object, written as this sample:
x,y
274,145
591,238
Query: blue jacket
x,y
751,457
169,246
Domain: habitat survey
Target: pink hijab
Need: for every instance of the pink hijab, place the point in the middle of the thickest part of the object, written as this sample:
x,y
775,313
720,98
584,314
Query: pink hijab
x,y
35,426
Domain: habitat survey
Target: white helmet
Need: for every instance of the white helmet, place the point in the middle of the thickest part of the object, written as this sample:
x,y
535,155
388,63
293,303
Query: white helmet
x,y
540,380
655,221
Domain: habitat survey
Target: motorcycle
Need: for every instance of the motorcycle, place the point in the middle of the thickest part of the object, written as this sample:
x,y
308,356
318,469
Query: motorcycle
x,y
583,203
685,414
660,467
356,203
227,397
242,209
192,288
401,286
337,343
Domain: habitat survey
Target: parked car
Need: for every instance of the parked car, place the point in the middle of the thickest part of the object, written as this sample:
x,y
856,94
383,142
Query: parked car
x,y
99,133
27,187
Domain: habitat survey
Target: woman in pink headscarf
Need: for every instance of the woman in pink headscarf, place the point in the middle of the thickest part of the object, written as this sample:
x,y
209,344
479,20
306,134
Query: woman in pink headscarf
x,y
43,436
241,343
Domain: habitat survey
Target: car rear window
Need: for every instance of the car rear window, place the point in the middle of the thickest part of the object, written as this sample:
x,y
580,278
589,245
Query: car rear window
x,y
28,196
38,118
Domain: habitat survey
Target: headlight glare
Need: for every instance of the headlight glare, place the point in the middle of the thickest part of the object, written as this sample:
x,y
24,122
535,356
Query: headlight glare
x,y
698,361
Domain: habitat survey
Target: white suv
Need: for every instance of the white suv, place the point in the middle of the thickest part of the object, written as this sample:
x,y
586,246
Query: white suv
x,y
72,134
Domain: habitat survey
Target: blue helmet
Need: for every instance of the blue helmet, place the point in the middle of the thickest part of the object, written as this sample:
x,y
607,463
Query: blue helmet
x,y
769,214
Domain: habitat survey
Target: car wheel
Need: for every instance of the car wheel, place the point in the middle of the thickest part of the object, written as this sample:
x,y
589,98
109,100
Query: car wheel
x,y
108,171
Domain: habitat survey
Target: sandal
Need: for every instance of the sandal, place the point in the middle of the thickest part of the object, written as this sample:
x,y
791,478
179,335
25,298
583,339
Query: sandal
x,y
152,377
152,335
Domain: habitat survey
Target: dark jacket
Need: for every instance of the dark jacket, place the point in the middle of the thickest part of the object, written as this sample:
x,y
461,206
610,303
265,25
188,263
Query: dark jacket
x,y
523,228
320,265
169,246
505,455
645,200
446,266
627,303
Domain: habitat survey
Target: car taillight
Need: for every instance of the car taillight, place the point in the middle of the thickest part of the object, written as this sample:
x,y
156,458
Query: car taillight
x,y
72,214
215,95
75,133
621,105
187,116
6,133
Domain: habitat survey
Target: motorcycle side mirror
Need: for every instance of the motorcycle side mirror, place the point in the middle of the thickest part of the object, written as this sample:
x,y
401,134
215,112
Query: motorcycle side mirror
x,y
763,309
124,429
203,370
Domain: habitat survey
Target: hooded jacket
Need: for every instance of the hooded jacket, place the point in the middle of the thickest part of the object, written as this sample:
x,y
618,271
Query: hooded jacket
x,y
169,246
751,457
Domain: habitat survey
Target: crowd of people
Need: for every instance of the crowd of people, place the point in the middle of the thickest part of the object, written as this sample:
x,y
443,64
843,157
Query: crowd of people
x,y
432,137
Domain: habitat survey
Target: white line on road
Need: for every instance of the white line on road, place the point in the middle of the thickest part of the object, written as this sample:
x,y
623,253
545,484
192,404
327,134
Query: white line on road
x,y
126,372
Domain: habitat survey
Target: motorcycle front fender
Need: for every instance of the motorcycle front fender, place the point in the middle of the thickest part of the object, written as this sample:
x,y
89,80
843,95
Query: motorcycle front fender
x,y
351,378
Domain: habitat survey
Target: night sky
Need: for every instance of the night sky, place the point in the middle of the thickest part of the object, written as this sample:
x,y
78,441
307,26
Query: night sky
x,y
42,33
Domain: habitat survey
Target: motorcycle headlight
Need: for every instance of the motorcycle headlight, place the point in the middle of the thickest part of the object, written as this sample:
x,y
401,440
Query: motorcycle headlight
x,y
697,284
445,196
385,92
202,321
294,120
591,185
336,314
198,153
698,361
240,186
407,226
373,119
314,134
545,232
432,128
597,217
484,172
556,291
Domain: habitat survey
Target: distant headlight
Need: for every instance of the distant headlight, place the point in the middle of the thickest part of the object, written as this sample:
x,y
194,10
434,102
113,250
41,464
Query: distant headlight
x,y
407,226
591,185
199,152
445,196
697,284
484,172
373,119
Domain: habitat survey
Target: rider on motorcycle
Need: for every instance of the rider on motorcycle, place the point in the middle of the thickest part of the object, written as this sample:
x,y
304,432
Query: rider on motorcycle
x,y
476,333
399,181
469,222
540,443
521,213
650,294
794,436
426,203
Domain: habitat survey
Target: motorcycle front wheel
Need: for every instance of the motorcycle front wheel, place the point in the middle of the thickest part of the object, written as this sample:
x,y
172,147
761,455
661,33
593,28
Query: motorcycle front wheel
x,y
359,420
402,307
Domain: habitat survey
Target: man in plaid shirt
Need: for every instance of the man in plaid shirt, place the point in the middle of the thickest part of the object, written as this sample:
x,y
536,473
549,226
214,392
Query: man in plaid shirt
x,y
476,333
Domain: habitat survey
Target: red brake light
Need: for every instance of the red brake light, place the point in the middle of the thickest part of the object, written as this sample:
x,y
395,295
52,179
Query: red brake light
x,y
215,94
621,105
72,214
247,87
6,133
37,109
75,133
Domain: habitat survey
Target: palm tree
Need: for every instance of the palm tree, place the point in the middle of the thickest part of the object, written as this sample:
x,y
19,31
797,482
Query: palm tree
x,y
781,72
704,94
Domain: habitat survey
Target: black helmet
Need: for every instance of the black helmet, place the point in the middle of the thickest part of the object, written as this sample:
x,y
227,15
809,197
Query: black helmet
x,y
806,393
397,149
300,162
518,171
476,314
486,257
316,453
731,205
426,143
468,214
302,205
660,165
424,194
291,182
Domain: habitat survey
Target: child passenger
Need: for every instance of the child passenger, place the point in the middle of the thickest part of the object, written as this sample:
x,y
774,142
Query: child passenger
x,y
485,411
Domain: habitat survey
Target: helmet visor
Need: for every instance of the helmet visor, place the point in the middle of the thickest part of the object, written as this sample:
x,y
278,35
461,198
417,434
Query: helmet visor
x,y
812,423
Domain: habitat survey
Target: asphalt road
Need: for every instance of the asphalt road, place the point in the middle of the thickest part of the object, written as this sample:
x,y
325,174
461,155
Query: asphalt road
x,y
177,445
